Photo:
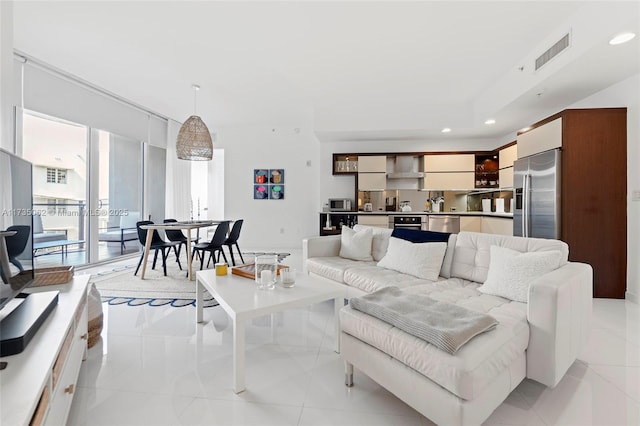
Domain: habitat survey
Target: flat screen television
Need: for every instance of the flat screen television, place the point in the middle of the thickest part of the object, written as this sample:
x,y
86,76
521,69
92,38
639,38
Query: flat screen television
x,y
16,264
21,314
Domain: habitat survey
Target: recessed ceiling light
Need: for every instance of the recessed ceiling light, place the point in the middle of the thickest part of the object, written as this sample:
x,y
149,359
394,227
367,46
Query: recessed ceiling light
x,y
621,38
525,129
490,121
446,130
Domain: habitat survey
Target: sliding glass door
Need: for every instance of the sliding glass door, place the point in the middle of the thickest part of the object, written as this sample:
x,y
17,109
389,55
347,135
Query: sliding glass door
x,y
58,151
119,203
88,190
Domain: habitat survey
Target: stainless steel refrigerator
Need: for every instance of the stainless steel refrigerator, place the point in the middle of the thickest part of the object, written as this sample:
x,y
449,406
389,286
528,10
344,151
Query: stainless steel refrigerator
x,y
536,183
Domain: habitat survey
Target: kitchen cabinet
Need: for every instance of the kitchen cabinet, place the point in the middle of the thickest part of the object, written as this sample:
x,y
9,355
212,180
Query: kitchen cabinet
x,y
593,189
506,158
471,223
497,225
345,164
486,171
372,173
372,181
335,222
449,181
381,221
449,163
541,138
372,164
448,171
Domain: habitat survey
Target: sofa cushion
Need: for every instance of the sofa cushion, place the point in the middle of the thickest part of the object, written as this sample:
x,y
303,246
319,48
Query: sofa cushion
x,y
380,240
510,271
369,278
333,267
422,260
468,372
356,245
471,256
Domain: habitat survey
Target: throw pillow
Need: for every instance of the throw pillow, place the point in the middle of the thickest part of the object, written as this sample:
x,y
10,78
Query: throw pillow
x,y
422,260
418,236
511,272
356,245
380,240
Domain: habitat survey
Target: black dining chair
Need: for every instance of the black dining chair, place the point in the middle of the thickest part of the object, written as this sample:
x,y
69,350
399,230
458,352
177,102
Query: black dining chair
x,y
176,235
213,246
232,240
17,243
157,244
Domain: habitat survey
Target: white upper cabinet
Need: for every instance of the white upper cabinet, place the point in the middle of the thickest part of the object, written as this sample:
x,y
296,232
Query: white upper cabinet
x,y
508,156
449,163
372,181
449,181
540,139
372,164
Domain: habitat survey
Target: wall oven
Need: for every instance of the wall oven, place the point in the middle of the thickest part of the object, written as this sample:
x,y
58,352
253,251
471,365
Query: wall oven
x,y
408,222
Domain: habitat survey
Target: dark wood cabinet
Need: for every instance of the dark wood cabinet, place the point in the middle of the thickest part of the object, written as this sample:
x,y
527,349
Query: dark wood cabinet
x,y
336,222
594,194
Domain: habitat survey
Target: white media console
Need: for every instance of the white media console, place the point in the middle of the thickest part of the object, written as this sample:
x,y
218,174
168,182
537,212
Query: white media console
x,y
37,385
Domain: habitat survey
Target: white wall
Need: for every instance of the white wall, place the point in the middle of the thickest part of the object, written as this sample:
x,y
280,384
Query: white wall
x,y
626,94
271,224
6,75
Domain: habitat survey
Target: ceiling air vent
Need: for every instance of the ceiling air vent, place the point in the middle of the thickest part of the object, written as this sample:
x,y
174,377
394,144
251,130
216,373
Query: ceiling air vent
x,y
552,52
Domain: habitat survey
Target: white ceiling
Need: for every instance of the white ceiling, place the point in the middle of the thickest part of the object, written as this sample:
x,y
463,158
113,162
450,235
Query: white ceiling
x,y
355,70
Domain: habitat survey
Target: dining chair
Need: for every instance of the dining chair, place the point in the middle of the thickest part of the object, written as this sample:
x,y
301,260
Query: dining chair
x,y
178,236
157,244
232,240
17,243
213,246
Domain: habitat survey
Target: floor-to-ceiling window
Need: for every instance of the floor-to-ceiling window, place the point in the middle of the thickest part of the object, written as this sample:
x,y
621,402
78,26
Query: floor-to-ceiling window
x,y
58,151
119,194
66,157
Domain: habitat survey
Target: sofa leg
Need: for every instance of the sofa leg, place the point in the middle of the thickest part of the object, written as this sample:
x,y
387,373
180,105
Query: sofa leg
x,y
348,374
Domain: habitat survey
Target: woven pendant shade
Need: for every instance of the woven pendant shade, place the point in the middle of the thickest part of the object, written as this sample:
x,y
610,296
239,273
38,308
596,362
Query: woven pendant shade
x,y
194,141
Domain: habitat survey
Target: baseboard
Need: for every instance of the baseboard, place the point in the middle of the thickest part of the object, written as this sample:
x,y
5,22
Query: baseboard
x,y
632,297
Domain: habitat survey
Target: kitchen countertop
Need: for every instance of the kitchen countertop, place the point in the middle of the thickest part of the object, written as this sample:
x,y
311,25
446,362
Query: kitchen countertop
x,y
415,213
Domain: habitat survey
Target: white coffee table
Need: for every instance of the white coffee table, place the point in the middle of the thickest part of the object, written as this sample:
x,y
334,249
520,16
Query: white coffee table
x,y
242,300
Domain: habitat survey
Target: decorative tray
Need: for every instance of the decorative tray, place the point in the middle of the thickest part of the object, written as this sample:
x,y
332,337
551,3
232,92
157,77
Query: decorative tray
x,y
53,276
248,270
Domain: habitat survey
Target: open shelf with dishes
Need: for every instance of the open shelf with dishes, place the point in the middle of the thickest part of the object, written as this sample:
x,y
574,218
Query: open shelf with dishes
x,y
345,164
487,171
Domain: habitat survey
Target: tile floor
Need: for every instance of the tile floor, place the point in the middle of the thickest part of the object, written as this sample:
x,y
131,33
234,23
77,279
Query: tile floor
x,y
155,366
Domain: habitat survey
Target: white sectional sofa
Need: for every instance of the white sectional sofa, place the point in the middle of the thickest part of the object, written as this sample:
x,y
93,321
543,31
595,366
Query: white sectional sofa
x,y
538,339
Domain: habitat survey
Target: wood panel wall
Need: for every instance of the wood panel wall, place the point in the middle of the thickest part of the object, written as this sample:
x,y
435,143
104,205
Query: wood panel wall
x,y
594,194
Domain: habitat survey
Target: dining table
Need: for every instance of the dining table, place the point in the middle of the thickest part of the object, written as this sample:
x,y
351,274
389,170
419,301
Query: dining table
x,y
187,225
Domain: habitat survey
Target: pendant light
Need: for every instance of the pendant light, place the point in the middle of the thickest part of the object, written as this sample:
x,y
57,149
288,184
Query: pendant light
x,y
194,140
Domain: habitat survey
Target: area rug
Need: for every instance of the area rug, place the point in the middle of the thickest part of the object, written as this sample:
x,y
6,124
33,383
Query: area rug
x,y
119,286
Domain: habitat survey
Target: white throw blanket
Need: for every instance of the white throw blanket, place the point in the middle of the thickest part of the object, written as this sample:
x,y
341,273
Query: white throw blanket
x,y
446,326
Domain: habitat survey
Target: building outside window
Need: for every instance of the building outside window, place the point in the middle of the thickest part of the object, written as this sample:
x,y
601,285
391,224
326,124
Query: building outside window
x,y
56,175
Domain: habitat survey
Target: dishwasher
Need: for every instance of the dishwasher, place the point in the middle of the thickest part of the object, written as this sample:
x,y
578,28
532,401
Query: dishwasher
x,y
444,223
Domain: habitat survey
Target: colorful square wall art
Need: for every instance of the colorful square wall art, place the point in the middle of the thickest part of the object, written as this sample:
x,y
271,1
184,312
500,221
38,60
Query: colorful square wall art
x,y
268,184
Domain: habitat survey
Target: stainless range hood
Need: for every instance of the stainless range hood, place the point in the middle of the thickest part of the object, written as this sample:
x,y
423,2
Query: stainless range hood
x,y
405,167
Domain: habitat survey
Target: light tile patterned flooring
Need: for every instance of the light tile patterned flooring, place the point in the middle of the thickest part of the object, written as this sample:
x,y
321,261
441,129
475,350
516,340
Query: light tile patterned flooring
x,y
155,366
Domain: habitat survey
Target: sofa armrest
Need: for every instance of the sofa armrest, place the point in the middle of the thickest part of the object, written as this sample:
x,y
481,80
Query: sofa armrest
x,y
320,247
559,313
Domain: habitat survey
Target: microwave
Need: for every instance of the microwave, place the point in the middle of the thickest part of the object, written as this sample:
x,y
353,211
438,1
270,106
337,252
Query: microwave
x,y
339,204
